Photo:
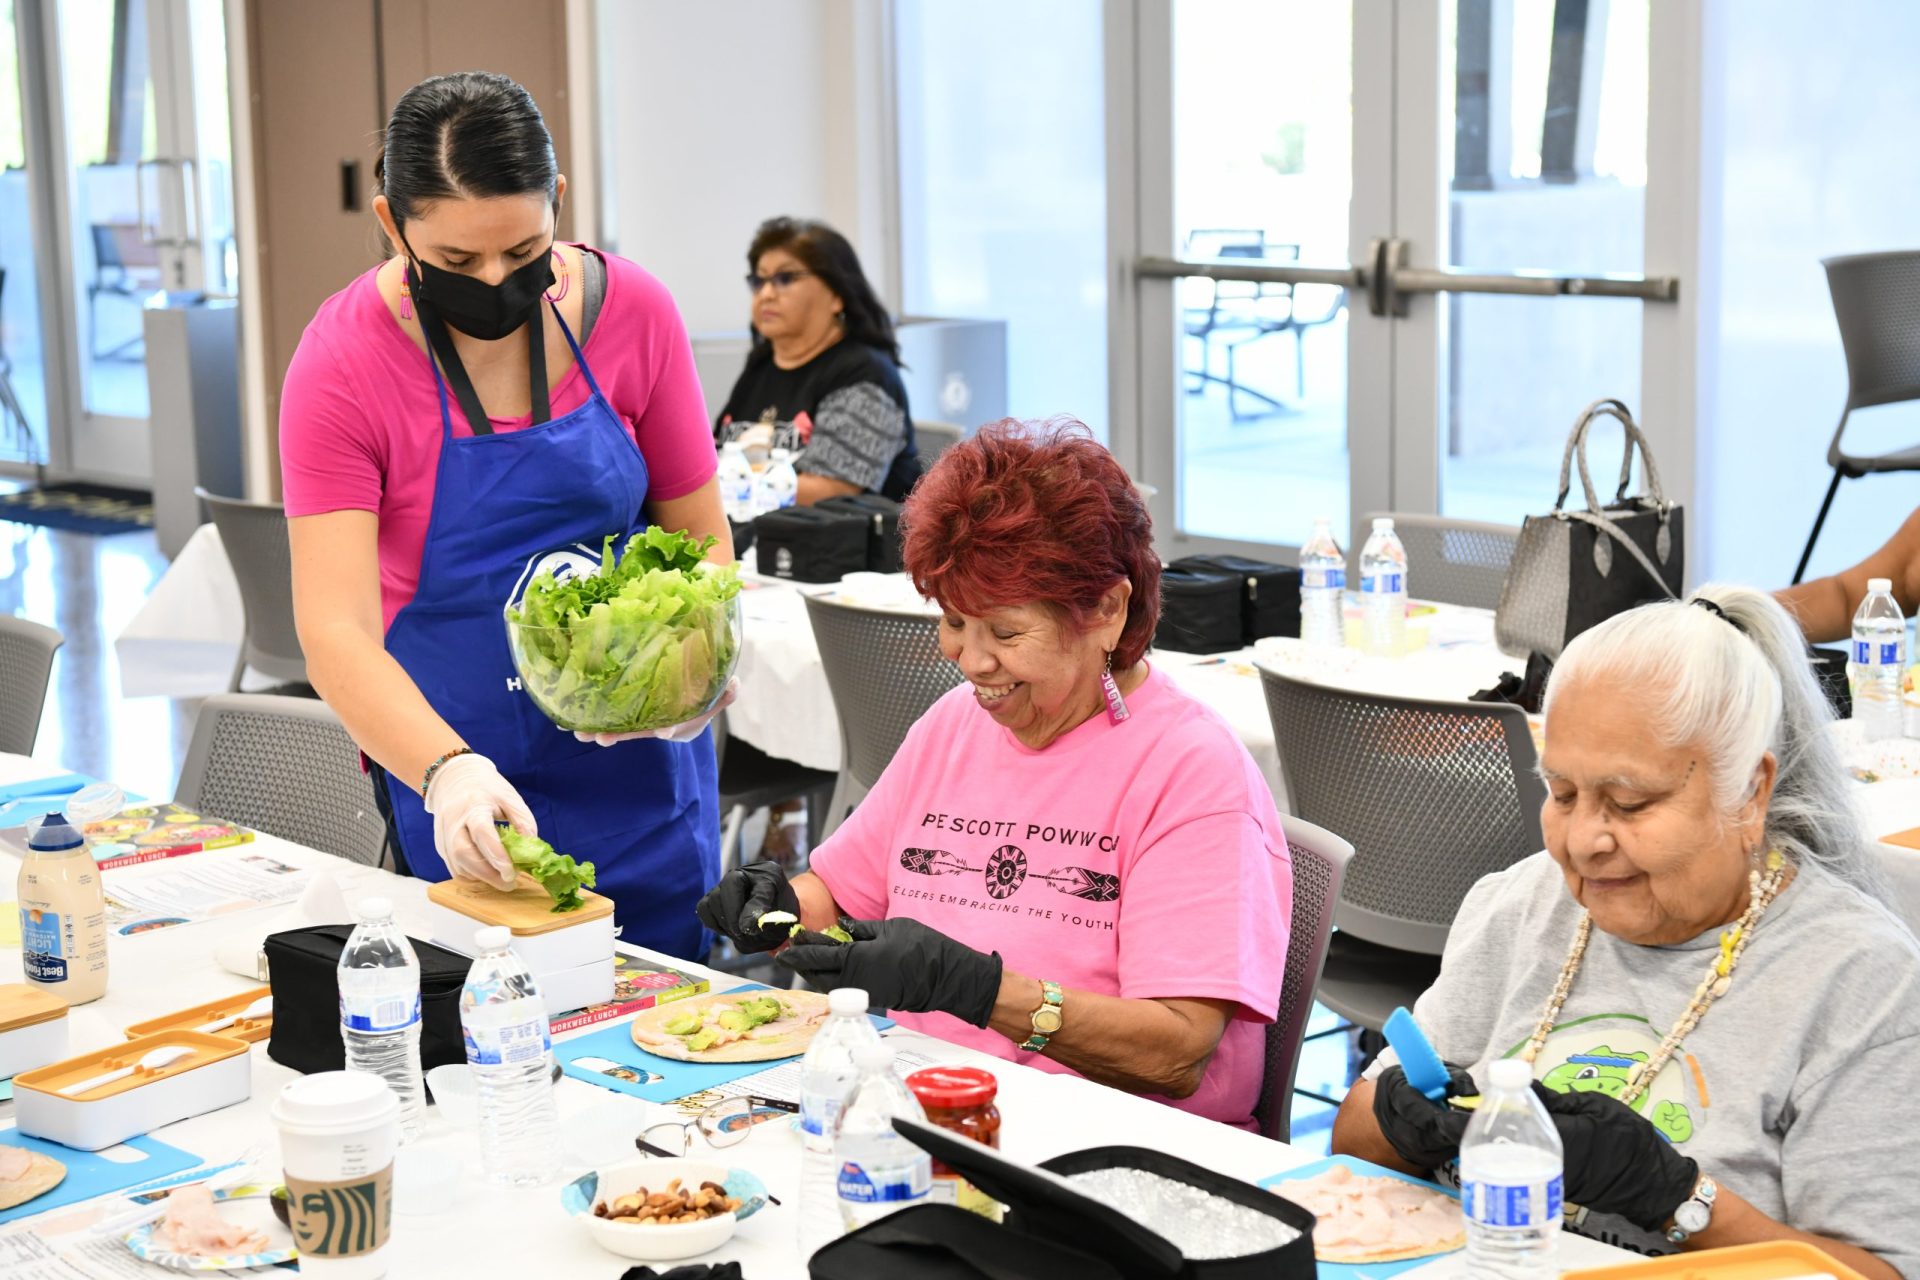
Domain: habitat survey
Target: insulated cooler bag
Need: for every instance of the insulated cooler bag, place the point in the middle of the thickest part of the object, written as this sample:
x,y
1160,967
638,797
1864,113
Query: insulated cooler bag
x,y
882,515
1200,611
302,969
1270,599
812,544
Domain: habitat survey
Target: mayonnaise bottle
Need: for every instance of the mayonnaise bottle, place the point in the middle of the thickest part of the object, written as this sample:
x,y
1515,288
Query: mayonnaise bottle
x,y
63,913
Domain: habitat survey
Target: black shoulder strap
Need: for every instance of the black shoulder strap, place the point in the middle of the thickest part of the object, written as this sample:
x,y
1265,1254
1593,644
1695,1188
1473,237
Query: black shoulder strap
x,y
456,373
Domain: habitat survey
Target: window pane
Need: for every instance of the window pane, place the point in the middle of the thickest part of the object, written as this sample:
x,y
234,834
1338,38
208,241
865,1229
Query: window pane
x,y
23,392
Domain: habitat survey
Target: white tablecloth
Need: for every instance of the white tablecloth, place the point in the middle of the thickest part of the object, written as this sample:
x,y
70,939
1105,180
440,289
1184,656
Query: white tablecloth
x,y
496,1232
183,642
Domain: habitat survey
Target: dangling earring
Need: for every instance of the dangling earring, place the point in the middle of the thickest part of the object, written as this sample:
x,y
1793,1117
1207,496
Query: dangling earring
x,y
406,297
566,278
1116,705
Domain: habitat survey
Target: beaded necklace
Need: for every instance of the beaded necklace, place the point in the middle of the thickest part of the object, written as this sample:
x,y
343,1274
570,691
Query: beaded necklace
x,y
1761,891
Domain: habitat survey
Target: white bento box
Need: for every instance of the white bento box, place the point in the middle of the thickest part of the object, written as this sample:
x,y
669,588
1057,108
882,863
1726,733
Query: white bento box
x,y
547,941
216,1073
33,1028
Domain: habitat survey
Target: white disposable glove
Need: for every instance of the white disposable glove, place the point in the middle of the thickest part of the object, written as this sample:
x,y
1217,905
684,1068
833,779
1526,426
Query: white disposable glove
x,y
686,732
467,797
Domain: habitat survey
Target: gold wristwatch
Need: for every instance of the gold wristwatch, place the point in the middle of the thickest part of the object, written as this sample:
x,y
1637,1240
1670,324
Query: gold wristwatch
x,y
1047,1019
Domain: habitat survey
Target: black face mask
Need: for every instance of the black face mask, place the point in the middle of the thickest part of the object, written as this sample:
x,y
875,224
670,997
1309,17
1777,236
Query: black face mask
x,y
480,310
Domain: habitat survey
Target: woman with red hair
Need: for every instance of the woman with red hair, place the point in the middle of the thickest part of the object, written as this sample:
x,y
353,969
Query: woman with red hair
x,y
1069,862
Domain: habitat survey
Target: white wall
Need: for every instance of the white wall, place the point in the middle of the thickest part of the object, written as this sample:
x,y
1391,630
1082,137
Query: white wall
x,y
1816,116
722,113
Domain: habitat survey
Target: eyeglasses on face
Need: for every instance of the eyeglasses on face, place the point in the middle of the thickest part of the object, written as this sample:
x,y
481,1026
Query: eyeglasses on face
x,y
780,280
722,1124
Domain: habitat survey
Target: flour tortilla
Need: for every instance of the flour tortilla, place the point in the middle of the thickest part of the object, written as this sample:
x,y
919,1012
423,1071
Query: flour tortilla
x,y
776,1040
43,1174
1393,1255
1351,1254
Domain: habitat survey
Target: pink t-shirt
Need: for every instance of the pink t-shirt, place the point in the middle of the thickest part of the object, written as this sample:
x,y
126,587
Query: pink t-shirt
x,y
1142,860
360,418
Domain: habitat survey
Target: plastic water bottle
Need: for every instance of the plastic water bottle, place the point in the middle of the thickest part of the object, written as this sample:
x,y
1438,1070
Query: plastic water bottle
x,y
827,1080
777,485
1510,1169
1383,589
504,1022
1323,588
380,1007
880,1172
1878,669
736,483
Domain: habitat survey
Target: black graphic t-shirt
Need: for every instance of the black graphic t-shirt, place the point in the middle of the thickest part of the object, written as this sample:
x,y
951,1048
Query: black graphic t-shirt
x,y
843,413
1142,859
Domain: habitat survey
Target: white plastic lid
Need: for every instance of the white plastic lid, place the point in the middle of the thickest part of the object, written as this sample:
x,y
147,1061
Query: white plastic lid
x,y
873,1057
373,910
1382,524
335,1102
847,1001
95,802
1880,584
1511,1074
495,937
733,446
783,455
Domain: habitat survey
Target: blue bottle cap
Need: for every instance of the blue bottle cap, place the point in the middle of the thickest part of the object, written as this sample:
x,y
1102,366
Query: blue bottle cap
x,y
54,834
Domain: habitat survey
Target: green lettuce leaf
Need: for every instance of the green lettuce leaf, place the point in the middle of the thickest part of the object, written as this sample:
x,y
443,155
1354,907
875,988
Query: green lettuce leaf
x,y
558,874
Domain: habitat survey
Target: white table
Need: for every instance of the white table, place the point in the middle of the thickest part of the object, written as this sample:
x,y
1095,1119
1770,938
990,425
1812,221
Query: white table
x,y
1045,1115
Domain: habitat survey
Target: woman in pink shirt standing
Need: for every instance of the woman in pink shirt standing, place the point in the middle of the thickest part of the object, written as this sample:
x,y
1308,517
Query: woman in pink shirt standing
x,y
1069,861
487,403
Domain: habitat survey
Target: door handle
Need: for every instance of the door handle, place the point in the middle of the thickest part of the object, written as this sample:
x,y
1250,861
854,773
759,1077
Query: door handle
x,y
349,186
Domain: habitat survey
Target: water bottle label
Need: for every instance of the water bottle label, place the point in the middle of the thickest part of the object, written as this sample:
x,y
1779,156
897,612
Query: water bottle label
x,y
1863,653
1501,1204
897,1186
1391,584
1323,579
41,953
370,1002
508,1044
817,1114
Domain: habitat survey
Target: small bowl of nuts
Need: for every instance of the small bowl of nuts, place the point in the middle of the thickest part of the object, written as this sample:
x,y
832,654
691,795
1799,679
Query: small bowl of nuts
x,y
662,1210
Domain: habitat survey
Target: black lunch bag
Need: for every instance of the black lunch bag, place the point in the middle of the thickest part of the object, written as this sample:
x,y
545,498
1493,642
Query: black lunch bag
x,y
302,967
1270,593
882,515
1199,610
812,544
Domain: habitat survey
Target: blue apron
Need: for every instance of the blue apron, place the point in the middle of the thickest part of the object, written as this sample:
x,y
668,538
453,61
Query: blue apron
x,y
645,813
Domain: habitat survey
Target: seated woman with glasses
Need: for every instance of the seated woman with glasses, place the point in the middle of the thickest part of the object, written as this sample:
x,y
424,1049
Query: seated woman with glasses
x,y
823,378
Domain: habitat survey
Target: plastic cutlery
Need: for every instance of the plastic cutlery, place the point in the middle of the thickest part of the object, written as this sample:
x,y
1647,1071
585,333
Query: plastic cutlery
x,y
258,1009
153,1060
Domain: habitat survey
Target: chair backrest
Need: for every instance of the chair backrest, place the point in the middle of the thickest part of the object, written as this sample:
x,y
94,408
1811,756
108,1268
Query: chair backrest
x,y
885,669
255,537
1455,561
26,665
1876,302
932,439
285,766
1319,865
1434,795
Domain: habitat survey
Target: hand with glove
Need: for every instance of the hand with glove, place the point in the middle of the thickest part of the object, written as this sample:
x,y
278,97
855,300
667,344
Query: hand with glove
x,y
684,732
1616,1162
734,906
1425,1133
467,797
905,965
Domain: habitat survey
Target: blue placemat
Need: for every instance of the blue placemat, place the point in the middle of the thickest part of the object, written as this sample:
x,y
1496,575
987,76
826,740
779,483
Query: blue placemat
x,y
91,1173
22,802
1362,1168
656,1079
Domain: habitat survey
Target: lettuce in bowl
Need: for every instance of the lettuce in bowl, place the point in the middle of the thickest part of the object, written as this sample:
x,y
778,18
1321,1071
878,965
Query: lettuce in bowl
x,y
648,641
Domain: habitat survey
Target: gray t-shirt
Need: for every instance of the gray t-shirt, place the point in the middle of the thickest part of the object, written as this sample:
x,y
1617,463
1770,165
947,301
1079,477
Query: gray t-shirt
x,y
1798,1090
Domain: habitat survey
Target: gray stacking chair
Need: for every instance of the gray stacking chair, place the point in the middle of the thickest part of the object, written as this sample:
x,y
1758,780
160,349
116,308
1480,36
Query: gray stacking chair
x,y
255,537
885,669
932,439
26,665
1453,561
287,767
1434,795
1876,302
1319,864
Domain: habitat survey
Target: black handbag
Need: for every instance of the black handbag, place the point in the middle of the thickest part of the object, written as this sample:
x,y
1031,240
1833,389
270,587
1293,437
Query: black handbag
x,y
808,544
302,969
1051,1231
1200,611
1270,599
883,526
1572,570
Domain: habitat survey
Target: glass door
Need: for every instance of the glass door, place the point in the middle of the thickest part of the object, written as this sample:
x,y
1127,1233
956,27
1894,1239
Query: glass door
x,y
23,387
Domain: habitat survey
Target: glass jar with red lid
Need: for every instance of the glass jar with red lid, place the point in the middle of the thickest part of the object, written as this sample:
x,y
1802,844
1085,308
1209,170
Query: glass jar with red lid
x,y
960,1100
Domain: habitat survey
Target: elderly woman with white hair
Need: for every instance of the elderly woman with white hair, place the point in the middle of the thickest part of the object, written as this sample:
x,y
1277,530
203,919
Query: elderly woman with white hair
x,y
1720,1015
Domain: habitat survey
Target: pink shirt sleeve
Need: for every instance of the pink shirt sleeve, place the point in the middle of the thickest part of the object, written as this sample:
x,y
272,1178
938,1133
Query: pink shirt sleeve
x,y
671,426
332,452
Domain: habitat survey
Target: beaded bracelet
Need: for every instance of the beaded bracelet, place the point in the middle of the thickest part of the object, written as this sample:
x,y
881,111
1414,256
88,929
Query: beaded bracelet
x,y
435,766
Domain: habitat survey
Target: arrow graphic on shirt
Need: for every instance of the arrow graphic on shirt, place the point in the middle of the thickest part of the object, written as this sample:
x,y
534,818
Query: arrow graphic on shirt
x,y
1094,886
933,862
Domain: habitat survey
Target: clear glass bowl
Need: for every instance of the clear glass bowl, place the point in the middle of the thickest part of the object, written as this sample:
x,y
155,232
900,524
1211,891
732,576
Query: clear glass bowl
x,y
649,676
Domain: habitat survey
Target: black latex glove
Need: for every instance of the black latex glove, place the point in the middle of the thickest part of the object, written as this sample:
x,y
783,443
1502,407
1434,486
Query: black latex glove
x,y
733,906
905,965
1425,1133
1616,1162
693,1271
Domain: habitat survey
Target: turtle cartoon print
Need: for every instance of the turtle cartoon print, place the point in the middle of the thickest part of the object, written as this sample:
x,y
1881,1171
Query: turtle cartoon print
x,y
1005,871
1599,1055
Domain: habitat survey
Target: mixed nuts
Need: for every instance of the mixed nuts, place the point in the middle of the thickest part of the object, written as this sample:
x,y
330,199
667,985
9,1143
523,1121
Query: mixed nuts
x,y
671,1205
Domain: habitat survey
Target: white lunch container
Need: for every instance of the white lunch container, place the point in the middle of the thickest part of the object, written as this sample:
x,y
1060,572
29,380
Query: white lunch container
x,y
33,1028
547,941
565,990
218,1072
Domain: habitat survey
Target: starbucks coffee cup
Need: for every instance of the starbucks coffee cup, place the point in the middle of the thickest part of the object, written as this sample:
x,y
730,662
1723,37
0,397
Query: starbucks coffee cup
x,y
338,1134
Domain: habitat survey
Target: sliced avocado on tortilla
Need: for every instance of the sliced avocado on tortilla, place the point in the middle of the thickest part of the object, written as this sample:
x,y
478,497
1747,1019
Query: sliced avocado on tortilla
x,y
702,1040
683,1025
735,1020
759,1010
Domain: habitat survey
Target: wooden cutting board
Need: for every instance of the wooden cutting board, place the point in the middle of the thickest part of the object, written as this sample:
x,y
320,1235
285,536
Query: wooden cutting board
x,y
526,911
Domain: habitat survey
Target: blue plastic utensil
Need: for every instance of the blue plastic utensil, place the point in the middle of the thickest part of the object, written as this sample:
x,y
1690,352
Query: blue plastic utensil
x,y
1425,1071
